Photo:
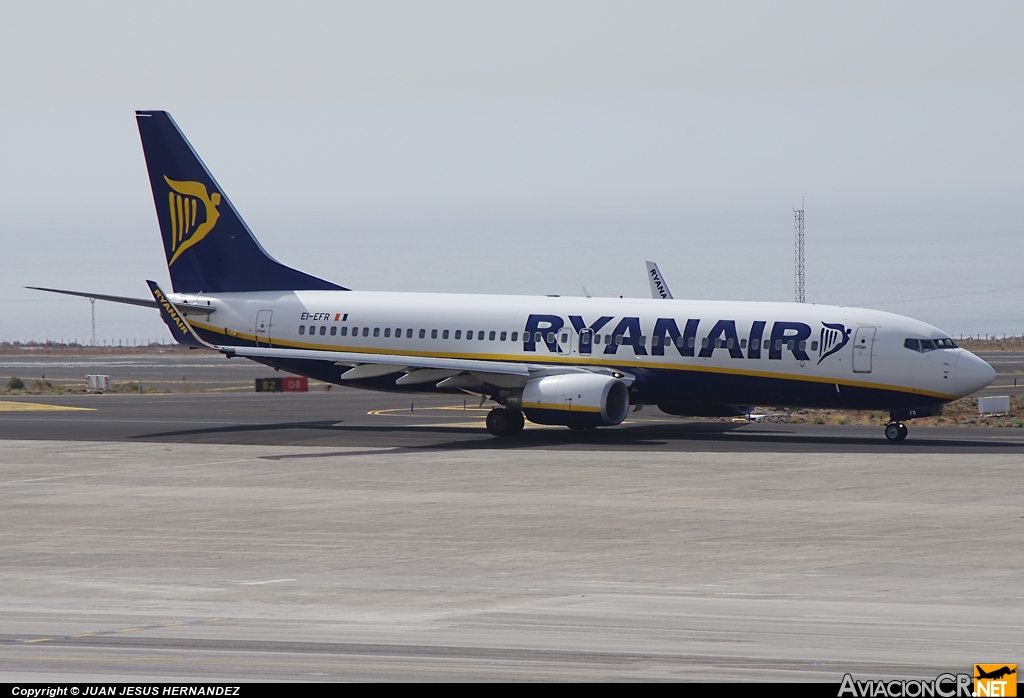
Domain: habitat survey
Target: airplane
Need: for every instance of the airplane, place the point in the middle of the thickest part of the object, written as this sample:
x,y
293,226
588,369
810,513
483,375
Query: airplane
x,y
996,674
579,362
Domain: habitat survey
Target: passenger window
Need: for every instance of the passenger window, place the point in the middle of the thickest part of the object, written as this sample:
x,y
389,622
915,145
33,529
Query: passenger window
x,y
778,345
803,345
704,343
768,344
790,344
334,330
618,340
597,339
537,337
469,334
480,335
423,334
387,331
444,335
565,338
355,331
323,329
398,332
408,333
690,342
302,329
491,336
584,339
743,344
814,345
433,334
366,332
458,334
502,336
643,341
679,342
655,340
376,332
344,331
607,339
515,336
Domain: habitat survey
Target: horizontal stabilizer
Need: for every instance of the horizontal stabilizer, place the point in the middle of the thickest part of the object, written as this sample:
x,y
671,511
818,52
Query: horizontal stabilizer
x,y
143,302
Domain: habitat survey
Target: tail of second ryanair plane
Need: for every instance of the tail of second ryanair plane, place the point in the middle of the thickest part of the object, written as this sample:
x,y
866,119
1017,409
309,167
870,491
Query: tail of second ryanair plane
x,y
209,248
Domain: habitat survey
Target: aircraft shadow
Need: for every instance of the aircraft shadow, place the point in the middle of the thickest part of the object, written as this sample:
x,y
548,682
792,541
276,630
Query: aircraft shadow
x,y
690,436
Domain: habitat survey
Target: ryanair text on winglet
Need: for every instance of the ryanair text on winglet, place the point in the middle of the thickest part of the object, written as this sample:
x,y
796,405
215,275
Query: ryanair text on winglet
x,y
170,310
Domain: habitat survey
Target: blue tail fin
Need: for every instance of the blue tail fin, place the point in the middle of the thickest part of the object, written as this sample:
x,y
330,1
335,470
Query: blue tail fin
x,y
209,247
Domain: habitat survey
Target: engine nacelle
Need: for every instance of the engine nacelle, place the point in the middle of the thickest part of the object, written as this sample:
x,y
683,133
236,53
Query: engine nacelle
x,y
575,400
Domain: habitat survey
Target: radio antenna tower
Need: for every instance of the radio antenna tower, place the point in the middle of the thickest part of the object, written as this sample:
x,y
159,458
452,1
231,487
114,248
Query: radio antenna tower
x,y
798,233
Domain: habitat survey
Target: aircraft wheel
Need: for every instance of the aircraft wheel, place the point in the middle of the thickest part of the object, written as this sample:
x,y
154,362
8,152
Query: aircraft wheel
x,y
501,422
518,421
903,432
895,431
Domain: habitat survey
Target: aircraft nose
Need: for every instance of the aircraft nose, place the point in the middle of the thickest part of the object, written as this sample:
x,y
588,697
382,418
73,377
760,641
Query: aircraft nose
x,y
972,374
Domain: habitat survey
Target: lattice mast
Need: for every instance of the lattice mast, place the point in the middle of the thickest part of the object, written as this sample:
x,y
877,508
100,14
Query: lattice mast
x,y
798,253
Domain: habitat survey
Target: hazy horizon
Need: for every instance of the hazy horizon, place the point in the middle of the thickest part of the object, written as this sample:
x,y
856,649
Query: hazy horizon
x,y
529,149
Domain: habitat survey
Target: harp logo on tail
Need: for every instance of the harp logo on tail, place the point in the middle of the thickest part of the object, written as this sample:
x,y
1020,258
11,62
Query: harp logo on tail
x,y
189,225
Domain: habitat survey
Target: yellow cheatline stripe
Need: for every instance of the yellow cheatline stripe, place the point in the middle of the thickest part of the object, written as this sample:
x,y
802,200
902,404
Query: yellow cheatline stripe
x,y
581,361
561,408
10,406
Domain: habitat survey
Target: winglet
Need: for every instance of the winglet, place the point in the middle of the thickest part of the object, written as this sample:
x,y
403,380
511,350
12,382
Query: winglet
x,y
659,289
180,329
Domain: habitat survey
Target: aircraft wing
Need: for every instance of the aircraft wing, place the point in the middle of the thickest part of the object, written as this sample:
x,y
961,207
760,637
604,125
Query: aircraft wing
x,y
659,289
345,358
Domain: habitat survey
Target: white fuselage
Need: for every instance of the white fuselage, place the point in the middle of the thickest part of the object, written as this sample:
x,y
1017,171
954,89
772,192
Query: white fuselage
x,y
680,350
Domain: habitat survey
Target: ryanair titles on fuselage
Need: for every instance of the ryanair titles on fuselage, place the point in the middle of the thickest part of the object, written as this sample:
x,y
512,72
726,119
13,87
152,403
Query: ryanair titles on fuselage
x,y
783,336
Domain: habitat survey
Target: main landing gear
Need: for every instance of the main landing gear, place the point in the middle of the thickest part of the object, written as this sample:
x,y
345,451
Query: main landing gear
x,y
895,431
502,421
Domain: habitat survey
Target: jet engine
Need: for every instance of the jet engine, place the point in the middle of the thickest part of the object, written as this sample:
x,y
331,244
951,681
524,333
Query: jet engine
x,y
581,400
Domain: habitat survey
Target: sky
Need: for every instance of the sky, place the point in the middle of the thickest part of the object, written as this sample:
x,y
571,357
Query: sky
x,y
527,148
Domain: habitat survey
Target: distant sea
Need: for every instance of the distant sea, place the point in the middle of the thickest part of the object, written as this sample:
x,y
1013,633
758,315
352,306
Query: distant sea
x,y
954,264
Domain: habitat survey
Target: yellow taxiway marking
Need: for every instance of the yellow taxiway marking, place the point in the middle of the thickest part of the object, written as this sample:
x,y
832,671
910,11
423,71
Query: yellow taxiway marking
x,y
124,630
10,406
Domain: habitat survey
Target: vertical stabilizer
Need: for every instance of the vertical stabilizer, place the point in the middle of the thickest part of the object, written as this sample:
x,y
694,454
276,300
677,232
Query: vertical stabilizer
x,y
208,246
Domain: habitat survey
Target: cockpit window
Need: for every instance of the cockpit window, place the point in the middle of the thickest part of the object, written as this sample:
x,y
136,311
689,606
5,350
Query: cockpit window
x,y
925,345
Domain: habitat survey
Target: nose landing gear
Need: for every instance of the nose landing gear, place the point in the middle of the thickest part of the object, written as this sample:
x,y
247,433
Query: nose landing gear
x,y
895,431
502,421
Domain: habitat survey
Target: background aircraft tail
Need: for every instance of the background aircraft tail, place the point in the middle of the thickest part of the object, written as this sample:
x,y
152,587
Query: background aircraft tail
x,y
209,247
